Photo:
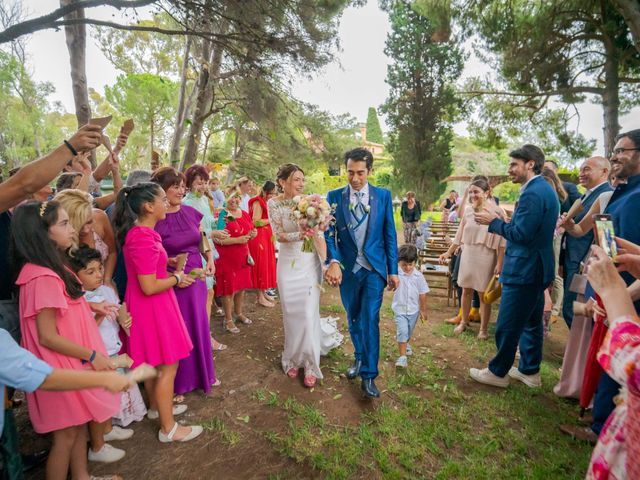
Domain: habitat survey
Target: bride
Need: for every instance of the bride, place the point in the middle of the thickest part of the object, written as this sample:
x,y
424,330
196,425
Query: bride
x,y
299,283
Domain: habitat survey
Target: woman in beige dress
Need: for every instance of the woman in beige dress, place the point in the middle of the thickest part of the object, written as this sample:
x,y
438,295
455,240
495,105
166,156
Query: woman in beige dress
x,y
481,258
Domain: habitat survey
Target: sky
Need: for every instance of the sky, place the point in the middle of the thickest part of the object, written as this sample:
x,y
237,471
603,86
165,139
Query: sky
x,y
351,84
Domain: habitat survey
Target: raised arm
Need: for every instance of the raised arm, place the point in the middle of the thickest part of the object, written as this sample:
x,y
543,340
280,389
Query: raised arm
x,y
35,175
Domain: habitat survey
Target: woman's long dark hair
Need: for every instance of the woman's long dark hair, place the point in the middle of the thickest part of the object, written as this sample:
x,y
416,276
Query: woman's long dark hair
x,y
30,242
129,205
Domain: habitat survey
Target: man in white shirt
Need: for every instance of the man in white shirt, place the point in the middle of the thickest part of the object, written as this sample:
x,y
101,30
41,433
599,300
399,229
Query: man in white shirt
x,y
245,184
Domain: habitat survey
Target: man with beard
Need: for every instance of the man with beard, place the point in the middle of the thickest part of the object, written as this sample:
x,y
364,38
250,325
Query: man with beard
x,y
623,206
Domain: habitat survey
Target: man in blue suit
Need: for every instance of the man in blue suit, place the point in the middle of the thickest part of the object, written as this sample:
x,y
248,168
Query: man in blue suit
x,y
363,259
529,267
594,176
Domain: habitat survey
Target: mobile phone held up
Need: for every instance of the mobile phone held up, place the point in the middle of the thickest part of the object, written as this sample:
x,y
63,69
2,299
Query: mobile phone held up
x,y
604,234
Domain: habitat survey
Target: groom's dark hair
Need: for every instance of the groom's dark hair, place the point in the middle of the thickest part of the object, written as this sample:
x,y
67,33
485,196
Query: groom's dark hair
x,y
359,155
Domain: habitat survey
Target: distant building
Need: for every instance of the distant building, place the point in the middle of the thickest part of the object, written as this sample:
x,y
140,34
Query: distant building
x,y
376,149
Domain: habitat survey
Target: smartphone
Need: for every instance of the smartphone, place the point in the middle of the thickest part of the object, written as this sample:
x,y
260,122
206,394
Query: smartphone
x,y
604,234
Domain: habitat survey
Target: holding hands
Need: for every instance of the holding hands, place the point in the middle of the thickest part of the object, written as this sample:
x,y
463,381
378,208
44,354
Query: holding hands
x,y
333,275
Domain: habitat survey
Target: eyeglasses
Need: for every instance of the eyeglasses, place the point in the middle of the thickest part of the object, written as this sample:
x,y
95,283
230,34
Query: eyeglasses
x,y
618,151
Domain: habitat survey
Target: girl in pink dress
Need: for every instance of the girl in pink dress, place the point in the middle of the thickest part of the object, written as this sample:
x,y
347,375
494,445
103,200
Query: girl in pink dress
x,y
58,327
159,336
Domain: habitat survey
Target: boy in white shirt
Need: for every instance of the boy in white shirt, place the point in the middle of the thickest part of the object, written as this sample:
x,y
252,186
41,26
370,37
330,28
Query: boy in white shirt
x,y
409,300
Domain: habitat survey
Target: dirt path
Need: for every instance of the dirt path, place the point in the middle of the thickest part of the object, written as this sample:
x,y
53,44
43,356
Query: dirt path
x,y
237,417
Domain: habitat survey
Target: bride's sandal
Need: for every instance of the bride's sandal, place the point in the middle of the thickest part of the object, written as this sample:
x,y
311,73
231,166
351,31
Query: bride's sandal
x,y
242,319
230,326
292,372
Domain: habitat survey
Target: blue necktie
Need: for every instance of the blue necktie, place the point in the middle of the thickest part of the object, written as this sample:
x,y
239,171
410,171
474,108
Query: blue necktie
x,y
359,211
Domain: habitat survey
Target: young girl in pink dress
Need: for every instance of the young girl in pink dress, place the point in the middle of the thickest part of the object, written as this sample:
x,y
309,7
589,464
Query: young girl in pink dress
x,y
58,327
159,336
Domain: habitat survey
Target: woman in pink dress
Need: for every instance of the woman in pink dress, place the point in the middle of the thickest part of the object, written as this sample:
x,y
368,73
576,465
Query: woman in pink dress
x,y
158,333
58,327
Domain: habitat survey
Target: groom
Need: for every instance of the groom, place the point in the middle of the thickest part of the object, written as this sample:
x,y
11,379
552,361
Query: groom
x,y
363,259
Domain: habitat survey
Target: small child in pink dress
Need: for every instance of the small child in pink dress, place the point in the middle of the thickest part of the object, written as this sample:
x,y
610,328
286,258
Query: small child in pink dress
x,y
58,327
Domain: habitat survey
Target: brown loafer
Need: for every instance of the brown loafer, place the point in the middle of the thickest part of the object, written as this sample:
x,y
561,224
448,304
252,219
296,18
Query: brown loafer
x,y
579,432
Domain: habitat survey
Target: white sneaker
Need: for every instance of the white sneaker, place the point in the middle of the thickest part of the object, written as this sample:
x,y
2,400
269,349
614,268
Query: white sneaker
x,y
485,376
409,350
532,381
107,454
196,430
177,410
401,361
118,433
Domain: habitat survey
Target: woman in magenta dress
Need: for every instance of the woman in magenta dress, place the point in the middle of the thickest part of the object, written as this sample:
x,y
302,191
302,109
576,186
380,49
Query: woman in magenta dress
x,y
262,247
233,268
58,327
159,336
180,233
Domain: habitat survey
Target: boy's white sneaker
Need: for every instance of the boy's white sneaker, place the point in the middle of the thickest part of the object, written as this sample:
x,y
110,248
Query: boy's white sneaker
x,y
118,433
401,361
532,381
107,454
409,350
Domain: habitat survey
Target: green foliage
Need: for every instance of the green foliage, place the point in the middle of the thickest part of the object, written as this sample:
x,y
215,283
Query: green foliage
x,y
570,51
422,105
29,126
374,132
149,99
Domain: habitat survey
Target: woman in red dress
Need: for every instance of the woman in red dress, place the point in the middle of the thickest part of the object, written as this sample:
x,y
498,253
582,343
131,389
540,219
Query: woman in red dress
x,y
262,247
233,268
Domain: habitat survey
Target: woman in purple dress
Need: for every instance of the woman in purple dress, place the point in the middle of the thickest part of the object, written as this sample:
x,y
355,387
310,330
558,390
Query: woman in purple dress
x,y
180,233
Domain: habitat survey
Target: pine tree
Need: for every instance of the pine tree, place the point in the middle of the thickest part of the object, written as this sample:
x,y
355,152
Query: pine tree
x,y
374,132
422,104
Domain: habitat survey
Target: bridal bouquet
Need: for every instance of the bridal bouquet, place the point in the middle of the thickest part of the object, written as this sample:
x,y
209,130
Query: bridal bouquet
x,y
311,212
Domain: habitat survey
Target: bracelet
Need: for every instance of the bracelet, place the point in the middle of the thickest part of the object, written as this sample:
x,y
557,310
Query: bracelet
x,y
177,277
71,149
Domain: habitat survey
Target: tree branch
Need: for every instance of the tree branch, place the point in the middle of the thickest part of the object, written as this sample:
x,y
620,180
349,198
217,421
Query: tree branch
x,y
47,21
563,91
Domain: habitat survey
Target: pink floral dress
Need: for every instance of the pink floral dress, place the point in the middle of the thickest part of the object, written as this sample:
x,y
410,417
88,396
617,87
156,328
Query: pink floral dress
x,y
617,454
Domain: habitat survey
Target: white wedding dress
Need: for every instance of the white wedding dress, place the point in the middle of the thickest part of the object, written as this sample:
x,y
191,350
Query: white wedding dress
x,y
306,335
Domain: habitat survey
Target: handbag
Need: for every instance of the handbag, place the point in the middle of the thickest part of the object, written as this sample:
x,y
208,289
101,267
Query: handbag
x,y
493,291
204,246
250,260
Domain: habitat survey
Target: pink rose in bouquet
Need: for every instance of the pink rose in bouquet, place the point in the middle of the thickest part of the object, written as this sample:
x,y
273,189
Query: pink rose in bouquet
x,y
313,214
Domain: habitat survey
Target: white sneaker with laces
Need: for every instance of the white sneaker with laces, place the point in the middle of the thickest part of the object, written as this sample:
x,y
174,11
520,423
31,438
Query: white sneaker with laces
x,y
488,378
118,433
107,454
177,410
532,381
401,361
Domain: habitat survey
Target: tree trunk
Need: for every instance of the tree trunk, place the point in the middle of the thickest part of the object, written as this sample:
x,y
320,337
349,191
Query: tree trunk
x,y
151,136
610,93
630,11
178,129
206,146
76,37
211,64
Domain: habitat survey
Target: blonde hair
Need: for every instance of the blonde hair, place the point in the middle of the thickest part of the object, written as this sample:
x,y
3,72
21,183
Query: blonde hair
x,y
79,206
232,191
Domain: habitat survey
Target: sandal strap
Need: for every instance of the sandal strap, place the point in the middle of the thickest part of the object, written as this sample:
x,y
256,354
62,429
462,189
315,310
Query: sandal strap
x,y
173,431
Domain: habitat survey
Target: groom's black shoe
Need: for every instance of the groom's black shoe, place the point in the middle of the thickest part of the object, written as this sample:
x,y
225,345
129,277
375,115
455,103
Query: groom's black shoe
x,y
369,388
354,370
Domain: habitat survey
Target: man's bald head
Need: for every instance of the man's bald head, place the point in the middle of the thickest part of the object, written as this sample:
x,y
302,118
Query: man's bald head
x,y
594,171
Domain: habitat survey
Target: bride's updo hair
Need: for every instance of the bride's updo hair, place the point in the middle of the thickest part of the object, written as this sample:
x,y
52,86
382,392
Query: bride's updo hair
x,y
284,172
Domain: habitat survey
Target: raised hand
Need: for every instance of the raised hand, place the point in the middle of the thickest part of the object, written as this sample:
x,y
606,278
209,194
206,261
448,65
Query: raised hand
x,y
86,138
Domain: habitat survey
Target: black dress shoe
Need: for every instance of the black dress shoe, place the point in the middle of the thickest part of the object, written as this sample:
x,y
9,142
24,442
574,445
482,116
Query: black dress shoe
x,y
354,370
369,388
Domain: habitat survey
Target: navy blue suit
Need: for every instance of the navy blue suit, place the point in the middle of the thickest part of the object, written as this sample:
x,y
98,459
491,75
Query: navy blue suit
x,y
575,251
573,195
362,291
528,268
623,208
